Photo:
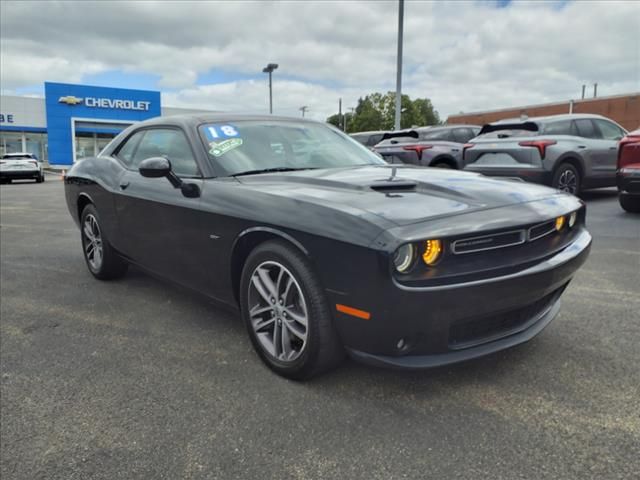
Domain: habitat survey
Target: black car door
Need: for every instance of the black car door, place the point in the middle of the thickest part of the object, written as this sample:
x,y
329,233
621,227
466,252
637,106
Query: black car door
x,y
160,228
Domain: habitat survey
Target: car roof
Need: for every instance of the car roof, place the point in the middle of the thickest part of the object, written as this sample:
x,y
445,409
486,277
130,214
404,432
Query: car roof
x,y
18,154
370,132
548,118
194,119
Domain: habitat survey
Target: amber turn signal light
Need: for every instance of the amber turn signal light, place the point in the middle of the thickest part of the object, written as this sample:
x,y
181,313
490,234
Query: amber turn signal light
x,y
432,251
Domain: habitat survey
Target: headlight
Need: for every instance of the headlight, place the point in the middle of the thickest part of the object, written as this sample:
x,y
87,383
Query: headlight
x,y
403,257
559,223
572,219
432,251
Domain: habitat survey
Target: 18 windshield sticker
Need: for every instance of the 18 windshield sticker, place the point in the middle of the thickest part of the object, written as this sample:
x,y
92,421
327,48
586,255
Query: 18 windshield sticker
x,y
217,132
222,139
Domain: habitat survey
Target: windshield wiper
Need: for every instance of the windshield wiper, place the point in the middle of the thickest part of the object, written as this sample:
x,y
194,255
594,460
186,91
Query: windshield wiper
x,y
270,170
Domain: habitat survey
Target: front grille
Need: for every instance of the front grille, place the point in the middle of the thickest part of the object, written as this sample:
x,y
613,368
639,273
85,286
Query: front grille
x,y
542,230
488,242
467,333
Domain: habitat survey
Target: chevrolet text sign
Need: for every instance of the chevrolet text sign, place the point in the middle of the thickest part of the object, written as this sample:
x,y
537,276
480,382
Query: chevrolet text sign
x,y
117,103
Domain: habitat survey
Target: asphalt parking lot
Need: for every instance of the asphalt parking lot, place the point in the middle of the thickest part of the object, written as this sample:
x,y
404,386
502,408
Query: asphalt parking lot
x,y
140,379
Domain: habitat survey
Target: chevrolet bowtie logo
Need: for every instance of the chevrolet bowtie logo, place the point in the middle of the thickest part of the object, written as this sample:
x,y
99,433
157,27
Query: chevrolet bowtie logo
x,y
70,100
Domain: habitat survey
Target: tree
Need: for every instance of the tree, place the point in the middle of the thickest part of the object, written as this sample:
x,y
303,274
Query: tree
x,y
377,112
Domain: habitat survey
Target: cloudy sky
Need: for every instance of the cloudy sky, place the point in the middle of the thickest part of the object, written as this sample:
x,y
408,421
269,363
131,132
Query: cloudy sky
x,y
463,55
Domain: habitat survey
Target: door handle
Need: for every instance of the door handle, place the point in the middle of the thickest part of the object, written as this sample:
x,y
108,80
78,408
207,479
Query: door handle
x,y
582,146
613,148
455,149
124,185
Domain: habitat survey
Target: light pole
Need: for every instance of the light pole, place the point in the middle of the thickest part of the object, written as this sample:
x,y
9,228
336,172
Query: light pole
x,y
269,69
399,65
304,110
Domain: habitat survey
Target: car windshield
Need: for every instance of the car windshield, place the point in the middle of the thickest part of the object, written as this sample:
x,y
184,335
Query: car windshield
x,y
248,147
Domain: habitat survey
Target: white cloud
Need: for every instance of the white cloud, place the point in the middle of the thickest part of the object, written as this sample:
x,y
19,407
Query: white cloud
x,y
463,55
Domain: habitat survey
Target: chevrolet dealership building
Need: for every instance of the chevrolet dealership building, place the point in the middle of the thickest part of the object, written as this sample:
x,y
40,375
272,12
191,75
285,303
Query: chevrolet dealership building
x,y
74,121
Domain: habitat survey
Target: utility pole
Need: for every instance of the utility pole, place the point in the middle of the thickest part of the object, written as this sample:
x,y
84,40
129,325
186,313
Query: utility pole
x,y
303,109
583,89
269,69
595,90
340,118
399,65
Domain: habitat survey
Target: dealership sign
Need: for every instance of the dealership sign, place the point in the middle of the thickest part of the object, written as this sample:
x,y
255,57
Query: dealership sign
x,y
6,117
110,103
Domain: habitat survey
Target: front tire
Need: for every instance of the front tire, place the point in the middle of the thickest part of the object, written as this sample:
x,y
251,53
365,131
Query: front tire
x,y
567,179
102,260
287,314
630,203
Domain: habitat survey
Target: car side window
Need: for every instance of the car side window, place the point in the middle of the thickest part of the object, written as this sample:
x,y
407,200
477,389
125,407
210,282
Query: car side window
x,y
125,152
374,140
609,130
462,135
171,144
586,129
562,127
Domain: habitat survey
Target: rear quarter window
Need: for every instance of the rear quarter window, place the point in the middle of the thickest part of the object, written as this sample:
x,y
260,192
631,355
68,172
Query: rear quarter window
x,y
562,127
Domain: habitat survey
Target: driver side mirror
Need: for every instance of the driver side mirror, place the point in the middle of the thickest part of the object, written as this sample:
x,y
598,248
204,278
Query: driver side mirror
x,y
157,167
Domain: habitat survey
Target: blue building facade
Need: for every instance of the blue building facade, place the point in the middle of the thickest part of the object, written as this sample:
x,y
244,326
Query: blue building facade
x,y
73,110
73,121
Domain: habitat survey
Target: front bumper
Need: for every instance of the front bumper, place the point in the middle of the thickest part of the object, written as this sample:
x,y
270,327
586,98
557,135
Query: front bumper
x,y
430,326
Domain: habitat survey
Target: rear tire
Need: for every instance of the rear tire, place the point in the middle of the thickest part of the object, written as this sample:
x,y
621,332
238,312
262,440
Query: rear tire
x,y
102,260
287,314
630,203
567,179
442,165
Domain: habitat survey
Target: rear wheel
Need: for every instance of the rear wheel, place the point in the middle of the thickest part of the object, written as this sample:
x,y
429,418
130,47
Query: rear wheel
x,y
567,179
630,203
102,260
442,165
286,313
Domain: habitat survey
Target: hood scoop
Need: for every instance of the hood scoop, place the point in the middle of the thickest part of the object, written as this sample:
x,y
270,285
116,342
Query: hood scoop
x,y
386,186
394,184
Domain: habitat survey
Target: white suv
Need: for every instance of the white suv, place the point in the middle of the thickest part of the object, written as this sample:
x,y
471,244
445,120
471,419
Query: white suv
x,y
20,165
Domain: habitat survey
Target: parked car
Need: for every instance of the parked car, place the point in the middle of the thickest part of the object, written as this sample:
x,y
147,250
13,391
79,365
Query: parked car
x,y
568,152
332,249
429,147
628,173
20,165
368,139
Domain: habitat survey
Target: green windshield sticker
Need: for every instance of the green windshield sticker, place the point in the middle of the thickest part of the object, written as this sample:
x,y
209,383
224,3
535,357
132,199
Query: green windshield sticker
x,y
218,149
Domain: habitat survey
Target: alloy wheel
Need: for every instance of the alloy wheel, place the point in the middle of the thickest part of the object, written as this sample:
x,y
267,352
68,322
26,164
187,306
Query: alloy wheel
x,y
92,242
278,311
567,182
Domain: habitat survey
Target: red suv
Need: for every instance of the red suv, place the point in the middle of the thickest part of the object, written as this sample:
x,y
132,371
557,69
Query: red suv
x,y
628,172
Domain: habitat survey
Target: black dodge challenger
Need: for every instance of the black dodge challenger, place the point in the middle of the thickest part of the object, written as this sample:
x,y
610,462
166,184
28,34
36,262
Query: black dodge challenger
x,y
323,247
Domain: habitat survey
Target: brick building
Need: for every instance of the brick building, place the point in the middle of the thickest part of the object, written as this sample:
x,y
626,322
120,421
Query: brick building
x,y
623,109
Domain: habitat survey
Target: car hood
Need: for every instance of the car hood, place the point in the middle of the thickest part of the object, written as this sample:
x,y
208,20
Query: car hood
x,y
400,195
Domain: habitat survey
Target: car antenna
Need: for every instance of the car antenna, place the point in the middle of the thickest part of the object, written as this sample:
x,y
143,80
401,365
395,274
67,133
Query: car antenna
x,y
394,169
